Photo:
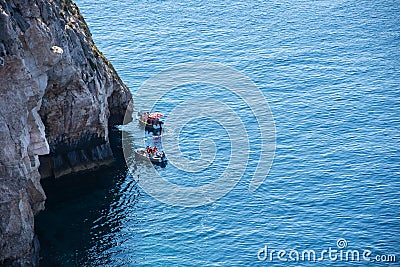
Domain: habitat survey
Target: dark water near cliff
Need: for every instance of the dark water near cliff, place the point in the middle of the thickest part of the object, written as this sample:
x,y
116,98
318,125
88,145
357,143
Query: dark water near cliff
x,y
330,73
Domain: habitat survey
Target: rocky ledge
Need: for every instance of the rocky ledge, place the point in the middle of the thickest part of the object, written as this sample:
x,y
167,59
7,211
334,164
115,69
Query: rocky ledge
x,y
58,97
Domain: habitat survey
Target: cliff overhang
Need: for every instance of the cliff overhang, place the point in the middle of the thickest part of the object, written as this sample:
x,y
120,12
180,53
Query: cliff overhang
x,y
58,97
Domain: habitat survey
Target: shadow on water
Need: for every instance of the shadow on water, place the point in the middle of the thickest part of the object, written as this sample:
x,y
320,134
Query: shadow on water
x,y
84,212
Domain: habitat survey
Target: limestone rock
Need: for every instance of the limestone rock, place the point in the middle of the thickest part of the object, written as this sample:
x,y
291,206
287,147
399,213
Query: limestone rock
x,y
58,94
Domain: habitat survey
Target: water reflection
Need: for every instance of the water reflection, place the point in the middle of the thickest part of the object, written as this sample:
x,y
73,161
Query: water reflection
x,y
84,213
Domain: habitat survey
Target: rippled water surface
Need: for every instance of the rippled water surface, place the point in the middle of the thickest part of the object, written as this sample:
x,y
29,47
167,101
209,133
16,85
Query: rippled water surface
x,y
330,73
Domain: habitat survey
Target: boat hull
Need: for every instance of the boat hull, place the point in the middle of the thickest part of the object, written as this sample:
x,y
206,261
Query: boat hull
x,y
150,128
141,153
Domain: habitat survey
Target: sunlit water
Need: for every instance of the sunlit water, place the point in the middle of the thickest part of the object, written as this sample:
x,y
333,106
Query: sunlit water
x,y
330,73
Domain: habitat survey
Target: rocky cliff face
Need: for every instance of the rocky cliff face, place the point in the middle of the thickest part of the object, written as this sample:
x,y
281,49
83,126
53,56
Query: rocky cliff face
x,y
58,94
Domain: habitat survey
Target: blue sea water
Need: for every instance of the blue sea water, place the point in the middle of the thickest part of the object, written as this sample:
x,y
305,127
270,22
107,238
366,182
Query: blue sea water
x,y
330,71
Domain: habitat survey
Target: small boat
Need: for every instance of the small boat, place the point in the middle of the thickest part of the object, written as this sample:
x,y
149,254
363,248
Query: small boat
x,y
145,117
151,121
159,159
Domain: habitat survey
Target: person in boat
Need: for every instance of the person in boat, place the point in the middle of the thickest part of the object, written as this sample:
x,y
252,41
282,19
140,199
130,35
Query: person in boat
x,y
144,116
155,151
